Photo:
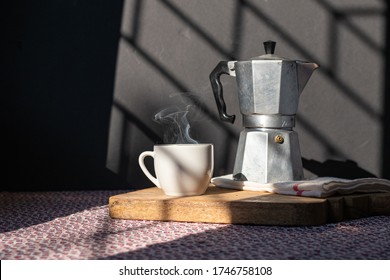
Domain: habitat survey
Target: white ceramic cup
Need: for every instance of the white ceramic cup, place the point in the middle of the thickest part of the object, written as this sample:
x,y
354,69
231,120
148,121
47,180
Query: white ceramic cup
x,y
181,169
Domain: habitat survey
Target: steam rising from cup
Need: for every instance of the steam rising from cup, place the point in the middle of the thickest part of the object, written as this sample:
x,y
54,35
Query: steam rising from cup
x,y
176,127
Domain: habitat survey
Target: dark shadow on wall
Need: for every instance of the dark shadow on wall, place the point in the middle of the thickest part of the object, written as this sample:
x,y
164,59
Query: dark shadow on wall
x,y
59,90
386,101
347,169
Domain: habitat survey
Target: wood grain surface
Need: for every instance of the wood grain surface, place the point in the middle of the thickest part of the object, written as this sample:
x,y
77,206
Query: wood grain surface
x,y
226,206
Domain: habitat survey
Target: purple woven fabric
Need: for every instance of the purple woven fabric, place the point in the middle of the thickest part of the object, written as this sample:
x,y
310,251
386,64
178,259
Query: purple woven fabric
x,y
76,225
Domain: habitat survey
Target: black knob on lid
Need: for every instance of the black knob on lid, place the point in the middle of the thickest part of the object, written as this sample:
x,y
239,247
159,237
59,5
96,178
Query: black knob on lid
x,y
269,47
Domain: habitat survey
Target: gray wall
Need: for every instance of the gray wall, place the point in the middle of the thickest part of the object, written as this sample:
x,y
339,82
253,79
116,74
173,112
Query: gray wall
x,y
168,49
85,78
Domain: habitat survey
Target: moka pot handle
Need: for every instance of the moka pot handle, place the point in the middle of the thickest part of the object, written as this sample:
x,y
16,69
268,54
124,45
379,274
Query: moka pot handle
x,y
216,85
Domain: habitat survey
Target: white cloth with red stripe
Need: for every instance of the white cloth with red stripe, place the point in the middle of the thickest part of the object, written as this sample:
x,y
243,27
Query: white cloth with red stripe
x,y
316,187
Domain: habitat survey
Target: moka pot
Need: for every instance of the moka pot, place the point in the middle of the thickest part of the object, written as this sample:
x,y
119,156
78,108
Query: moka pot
x,y
268,94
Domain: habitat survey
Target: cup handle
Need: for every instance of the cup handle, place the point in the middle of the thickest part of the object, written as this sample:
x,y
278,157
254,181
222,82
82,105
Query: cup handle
x,y
141,163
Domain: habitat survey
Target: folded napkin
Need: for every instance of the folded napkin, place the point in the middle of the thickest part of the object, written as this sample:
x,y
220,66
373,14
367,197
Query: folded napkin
x,y
316,187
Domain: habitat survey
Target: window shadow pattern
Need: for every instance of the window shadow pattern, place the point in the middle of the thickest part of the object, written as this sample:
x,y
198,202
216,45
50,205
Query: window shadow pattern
x,y
340,17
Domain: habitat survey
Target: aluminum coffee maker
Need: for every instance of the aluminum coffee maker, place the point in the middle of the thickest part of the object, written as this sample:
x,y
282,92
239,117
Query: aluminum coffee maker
x,y
268,94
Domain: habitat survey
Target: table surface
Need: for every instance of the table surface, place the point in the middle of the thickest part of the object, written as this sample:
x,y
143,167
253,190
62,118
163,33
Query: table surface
x,y
76,225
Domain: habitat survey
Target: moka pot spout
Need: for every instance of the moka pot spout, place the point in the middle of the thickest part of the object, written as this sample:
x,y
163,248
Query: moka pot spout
x,y
304,71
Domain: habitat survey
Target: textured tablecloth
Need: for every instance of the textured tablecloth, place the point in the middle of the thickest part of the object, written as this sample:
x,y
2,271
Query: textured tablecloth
x,y
76,225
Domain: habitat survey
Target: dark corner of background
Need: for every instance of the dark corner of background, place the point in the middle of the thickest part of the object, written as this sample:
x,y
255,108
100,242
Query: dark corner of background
x,y
57,92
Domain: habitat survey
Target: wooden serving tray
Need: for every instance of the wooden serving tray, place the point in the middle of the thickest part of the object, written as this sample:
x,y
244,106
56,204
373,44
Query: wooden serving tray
x,y
226,206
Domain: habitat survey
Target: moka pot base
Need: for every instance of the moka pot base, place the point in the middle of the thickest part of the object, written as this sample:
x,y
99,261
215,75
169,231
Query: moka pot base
x,y
268,150
268,155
